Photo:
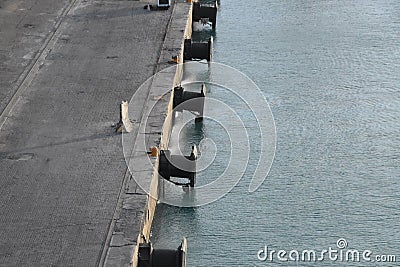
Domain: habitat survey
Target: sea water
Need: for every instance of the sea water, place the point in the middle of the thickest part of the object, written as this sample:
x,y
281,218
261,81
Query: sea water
x,y
330,73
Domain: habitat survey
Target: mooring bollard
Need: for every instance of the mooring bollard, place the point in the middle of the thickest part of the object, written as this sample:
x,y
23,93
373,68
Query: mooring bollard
x,y
153,151
175,59
125,117
124,121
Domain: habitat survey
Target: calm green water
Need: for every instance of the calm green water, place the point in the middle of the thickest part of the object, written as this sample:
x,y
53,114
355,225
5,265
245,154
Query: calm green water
x,y
331,73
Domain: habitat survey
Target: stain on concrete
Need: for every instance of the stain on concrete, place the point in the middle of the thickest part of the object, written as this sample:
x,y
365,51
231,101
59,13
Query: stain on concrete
x,y
21,156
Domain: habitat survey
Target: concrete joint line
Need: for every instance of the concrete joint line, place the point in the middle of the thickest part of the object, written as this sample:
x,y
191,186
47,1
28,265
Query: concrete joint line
x,y
30,71
109,234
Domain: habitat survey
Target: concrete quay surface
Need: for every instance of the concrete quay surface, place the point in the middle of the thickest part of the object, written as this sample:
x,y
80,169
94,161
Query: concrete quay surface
x,y
153,126
66,197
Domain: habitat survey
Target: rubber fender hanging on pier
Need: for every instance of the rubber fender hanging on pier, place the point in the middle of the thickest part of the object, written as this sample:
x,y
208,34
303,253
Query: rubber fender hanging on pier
x,y
191,101
205,11
150,257
198,50
178,166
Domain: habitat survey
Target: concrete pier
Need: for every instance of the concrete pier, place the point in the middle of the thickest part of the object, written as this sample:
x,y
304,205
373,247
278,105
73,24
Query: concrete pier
x,y
66,195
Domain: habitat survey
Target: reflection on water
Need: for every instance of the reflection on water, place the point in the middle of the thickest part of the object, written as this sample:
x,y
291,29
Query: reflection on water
x,y
330,72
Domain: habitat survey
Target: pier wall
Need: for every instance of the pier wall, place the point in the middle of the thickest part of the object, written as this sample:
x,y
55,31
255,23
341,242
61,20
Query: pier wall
x,y
173,46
